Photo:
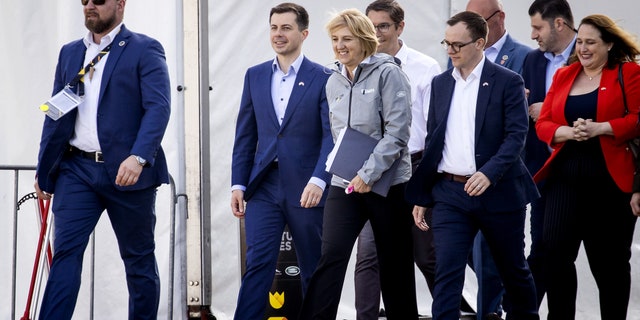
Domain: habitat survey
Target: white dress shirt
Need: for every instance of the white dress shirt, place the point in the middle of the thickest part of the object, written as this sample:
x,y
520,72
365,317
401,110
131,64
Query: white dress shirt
x,y
85,136
420,70
458,156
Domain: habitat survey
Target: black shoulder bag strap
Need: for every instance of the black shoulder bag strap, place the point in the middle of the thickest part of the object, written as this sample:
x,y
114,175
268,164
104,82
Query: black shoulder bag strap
x,y
636,141
621,81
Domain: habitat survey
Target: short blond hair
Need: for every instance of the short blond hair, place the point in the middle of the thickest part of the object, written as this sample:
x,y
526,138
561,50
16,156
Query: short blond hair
x,y
359,25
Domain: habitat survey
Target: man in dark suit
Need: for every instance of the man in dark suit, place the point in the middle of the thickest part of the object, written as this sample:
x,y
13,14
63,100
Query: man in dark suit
x,y
502,49
282,141
471,173
106,154
552,27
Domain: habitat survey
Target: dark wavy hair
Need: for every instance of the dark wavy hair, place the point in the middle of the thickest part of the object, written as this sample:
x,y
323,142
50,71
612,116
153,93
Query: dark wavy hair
x,y
625,47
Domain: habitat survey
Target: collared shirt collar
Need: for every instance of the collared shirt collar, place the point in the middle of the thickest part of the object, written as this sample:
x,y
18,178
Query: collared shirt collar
x,y
295,65
493,51
105,41
475,74
565,54
403,53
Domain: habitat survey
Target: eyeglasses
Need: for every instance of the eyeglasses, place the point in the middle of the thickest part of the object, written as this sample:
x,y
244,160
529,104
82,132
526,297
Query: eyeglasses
x,y
456,46
95,2
383,27
570,26
491,16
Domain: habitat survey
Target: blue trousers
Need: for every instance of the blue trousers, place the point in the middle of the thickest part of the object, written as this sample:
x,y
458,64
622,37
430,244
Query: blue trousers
x,y
83,191
267,213
490,290
457,218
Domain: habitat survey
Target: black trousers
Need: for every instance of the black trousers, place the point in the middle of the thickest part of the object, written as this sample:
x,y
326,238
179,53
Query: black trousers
x,y
585,206
344,217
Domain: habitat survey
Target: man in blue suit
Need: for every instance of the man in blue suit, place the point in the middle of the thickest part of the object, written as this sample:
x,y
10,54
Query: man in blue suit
x,y
472,173
106,154
282,141
552,27
502,49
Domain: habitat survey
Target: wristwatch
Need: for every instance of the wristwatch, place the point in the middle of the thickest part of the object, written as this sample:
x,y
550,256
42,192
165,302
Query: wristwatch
x,y
141,161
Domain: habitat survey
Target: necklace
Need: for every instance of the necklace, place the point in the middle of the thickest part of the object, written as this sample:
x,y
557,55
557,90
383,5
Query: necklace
x,y
591,77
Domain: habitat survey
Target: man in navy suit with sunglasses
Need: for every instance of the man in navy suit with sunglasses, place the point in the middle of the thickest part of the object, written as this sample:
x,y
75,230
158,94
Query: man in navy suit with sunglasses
x,y
106,155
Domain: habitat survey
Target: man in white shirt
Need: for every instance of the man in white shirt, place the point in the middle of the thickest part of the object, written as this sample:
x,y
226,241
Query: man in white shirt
x,y
472,174
502,49
106,155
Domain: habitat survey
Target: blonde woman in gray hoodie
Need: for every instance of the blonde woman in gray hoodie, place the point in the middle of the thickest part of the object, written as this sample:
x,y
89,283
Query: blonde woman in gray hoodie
x,y
368,93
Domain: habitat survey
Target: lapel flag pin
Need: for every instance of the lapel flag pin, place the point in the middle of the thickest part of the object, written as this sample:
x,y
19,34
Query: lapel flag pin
x,y
301,84
504,59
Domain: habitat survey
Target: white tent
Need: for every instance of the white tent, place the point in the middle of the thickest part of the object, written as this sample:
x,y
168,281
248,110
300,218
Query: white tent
x,y
237,34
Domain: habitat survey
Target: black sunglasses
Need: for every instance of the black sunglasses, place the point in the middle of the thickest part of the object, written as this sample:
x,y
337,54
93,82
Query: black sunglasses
x,y
491,16
95,2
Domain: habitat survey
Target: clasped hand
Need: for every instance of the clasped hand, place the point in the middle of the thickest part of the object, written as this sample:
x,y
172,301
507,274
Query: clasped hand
x,y
583,129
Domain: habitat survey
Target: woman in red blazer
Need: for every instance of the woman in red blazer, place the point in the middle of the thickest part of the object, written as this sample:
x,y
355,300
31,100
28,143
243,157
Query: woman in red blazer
x,y
590,172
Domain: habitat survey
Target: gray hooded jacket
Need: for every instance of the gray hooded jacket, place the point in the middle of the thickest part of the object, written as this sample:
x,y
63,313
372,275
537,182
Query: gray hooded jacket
x,y
380,102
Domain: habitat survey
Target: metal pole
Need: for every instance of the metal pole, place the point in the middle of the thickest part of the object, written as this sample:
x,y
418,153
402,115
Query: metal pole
x,y
93,275
16,174
195,91
15,245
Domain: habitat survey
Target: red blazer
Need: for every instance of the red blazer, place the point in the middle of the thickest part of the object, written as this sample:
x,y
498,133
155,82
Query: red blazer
x,y
610,108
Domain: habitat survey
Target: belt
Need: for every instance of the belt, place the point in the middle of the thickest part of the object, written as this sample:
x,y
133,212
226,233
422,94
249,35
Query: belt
x,y
416,156
95,156
455,177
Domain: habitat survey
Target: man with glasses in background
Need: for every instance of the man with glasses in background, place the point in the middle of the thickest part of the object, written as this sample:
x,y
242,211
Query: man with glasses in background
x,y
388,19
106,154
472,174
502,49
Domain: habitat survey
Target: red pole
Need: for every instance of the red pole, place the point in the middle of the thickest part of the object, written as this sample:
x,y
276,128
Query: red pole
x,y
44,207
44,214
